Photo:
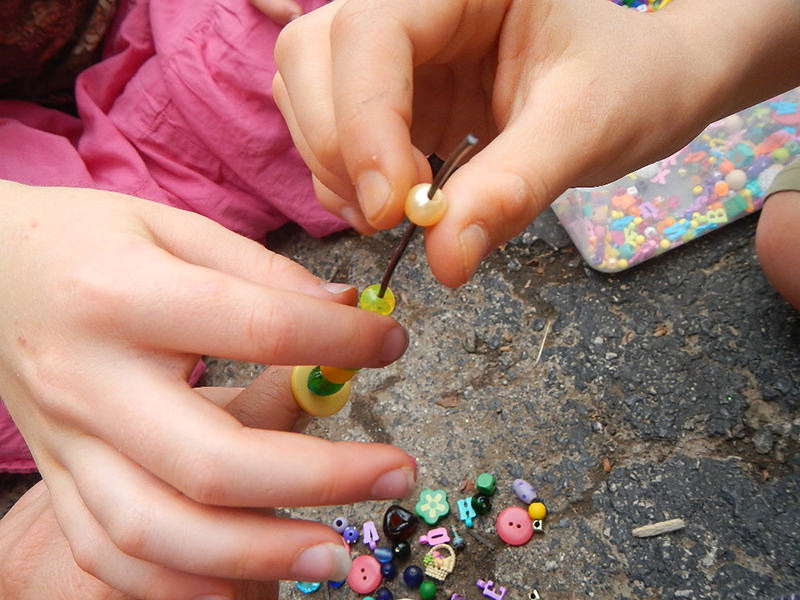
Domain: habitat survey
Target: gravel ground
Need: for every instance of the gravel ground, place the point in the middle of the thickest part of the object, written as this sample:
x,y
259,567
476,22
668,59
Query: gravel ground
x,y
671,390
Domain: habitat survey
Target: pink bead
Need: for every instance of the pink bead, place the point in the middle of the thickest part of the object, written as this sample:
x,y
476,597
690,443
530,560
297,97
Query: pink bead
x,y
365,574
514,526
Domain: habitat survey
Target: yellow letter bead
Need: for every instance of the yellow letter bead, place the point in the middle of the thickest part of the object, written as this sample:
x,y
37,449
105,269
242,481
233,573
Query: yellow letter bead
x,y
369,300
317,406
337,375
422,210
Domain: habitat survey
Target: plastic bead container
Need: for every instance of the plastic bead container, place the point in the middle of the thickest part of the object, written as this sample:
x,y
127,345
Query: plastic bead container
x,y
718,178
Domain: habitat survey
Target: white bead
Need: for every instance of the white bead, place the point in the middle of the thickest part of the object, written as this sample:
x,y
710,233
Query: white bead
x,y
422,210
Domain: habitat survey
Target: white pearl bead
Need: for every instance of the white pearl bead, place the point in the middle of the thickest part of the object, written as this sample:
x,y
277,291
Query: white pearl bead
x,y
422,210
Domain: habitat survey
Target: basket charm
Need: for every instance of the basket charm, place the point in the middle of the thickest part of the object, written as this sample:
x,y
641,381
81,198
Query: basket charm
x,y
439,562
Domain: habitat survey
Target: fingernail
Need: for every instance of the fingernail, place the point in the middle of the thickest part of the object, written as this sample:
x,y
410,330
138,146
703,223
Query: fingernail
x,y
474,247
350,214
394,484
212,598
394,345
374,193
324,562
294,11
336,288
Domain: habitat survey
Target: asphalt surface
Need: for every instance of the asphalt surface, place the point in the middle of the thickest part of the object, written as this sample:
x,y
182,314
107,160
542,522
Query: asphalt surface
x,y
671,390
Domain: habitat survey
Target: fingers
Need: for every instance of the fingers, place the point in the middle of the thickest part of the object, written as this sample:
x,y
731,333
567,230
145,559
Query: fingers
x,y
95,553
190,236
375,48
279,11
145,519
35,559
199,449
302,90
180,307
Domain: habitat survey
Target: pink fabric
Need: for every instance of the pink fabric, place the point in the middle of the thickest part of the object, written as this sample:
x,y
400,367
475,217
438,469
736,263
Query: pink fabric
x,y
179,111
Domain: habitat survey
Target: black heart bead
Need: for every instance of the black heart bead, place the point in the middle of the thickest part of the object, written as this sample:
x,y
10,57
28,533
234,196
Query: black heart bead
x,y
398,523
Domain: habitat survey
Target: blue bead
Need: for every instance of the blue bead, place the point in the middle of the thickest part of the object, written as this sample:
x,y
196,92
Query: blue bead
x,y
350,535
383,554
413,576
383,594
339,524
307,587
336,584
389,571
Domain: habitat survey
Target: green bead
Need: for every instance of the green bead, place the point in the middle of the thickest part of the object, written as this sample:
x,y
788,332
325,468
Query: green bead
x,y
481,504
319,385
369,300
427,590
486,484
780,155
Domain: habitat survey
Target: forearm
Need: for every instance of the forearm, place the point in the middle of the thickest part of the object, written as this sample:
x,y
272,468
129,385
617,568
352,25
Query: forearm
x,y
739,52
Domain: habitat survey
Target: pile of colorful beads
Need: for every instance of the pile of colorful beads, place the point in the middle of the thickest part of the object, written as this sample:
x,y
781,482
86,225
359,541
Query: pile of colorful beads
x,y
642,5
718,178
375,569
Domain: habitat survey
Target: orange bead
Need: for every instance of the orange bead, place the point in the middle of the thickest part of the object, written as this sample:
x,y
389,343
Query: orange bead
x,y
726,167
337,375
721,188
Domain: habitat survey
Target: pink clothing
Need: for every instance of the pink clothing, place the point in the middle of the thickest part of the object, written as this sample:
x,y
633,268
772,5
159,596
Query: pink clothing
x,y
179,111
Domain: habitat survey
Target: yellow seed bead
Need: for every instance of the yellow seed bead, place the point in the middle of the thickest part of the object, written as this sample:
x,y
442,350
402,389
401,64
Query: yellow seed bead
x,y
317,406
369,300
422,210
337,375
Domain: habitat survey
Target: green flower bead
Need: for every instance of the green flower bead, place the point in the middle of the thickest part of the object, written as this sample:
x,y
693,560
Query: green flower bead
x,y
432,505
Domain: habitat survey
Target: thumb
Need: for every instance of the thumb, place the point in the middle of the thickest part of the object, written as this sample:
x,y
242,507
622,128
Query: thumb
x,y
491,199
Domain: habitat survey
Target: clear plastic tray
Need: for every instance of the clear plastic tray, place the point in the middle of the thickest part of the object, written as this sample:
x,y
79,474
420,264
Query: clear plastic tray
x,y
718,178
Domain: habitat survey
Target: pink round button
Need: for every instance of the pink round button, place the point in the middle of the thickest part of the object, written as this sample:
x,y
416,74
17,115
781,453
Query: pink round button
x,y
365,574
514,526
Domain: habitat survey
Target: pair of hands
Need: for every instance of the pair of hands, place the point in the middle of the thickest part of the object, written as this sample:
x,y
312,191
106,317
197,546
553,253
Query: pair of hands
x,y
109,304
561,93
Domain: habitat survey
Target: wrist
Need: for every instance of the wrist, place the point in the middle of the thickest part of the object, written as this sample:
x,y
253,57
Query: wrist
x,y
734,53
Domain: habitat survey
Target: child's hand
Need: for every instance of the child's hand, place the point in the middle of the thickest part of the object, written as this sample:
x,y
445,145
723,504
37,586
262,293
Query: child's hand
x,y
109,301
35,558
563,92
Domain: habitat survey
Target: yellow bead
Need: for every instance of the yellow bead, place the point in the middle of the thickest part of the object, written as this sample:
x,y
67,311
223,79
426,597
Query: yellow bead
x,y
337,375
317,406
369,300
422,210
537,511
